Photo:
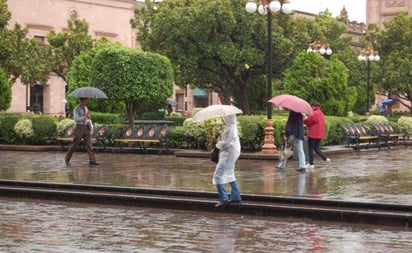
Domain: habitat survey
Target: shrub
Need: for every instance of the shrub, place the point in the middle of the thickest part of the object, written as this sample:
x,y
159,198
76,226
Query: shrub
x,y
252,132
44,128
7,133
24,129
213,128
105,118
334,132
177,118
156,115
405,123
375,119
62,124
195,131
177,136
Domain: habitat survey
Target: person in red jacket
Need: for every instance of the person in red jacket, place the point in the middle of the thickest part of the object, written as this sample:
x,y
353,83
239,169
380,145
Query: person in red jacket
x,y
315,124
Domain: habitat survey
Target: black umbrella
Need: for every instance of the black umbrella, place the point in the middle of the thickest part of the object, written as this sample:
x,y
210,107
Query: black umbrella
x,y
87,92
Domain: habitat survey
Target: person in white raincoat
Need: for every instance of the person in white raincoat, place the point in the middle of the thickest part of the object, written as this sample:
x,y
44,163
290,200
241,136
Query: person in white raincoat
x,y
229,146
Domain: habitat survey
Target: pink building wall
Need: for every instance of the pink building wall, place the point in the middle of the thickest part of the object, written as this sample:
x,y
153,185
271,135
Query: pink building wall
x,y
106,18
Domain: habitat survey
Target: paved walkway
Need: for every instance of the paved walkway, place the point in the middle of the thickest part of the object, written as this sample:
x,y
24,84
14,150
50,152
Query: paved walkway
x,y
369,175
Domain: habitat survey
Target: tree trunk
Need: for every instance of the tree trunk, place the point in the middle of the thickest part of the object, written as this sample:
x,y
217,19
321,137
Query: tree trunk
x,y
130,113
242,95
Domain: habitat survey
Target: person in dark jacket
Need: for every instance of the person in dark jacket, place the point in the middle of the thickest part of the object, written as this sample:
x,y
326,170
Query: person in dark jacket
x,y
294,129
315,124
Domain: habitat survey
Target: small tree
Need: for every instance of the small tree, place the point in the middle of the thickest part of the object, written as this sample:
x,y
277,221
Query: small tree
x,y
313,77
80,75
5,91
68,44
136,77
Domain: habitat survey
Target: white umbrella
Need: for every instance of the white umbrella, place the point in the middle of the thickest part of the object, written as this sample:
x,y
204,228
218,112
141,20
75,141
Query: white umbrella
x,y
215,111
88,92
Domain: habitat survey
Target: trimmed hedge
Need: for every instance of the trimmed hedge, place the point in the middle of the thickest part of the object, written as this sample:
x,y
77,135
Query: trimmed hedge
x,y
189,134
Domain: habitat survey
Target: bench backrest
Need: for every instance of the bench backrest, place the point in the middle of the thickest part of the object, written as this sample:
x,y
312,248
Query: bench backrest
x,y
101,132
68,132
146,131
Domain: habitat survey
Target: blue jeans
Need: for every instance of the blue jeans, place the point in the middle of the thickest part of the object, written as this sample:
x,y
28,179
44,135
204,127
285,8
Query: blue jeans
x,y
234,195
301,155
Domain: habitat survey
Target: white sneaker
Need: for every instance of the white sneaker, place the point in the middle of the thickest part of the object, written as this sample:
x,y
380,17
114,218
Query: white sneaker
x,y
310,166
327,161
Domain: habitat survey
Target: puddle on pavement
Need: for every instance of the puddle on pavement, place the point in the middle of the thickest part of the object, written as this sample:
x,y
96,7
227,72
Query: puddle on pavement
x,y
44,227
368,176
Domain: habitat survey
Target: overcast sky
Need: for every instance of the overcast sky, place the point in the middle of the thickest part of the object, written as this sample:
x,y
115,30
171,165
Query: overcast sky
x,y
356,8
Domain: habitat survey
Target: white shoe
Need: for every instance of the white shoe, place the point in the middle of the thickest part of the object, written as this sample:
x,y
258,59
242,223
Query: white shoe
x,y
310,166
327,161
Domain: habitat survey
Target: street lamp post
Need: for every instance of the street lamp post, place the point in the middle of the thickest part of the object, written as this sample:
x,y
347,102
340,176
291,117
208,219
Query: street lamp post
x,y
267,7
368,55
321,48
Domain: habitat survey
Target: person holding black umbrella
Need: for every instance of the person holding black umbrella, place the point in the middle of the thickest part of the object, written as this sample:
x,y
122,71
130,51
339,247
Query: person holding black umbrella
x,y
83,130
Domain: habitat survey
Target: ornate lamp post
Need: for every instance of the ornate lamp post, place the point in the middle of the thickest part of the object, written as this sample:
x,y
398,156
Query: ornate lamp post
x,y
267,7
368,55
321,48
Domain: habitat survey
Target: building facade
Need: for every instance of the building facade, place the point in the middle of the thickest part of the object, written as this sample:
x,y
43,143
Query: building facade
x,y
379,11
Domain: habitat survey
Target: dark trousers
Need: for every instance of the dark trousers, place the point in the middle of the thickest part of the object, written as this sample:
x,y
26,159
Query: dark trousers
x,y
81,132
314,145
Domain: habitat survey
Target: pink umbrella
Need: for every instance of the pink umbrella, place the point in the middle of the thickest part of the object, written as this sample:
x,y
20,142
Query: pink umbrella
x,y
292,103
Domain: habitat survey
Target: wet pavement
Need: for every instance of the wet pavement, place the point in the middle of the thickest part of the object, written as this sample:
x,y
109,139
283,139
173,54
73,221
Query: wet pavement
x,y
383,176
42,227
367,176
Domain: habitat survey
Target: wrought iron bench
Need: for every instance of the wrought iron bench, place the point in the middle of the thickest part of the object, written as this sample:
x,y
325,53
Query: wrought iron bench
x,y
358,137
101,137
390,136
145,132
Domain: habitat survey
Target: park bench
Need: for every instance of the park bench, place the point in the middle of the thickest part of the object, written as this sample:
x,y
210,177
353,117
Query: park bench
x,y
66,136
358,137
389,135
144,133
100,139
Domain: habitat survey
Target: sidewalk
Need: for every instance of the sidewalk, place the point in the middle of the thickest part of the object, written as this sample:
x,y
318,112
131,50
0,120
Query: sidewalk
x,y
367,176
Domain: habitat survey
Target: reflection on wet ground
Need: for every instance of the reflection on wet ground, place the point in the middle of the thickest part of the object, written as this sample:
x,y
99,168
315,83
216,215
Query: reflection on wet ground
x,y
369,176
42,227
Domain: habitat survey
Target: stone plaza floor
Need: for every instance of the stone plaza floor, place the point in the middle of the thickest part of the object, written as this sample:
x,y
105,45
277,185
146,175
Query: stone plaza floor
x,y
383,176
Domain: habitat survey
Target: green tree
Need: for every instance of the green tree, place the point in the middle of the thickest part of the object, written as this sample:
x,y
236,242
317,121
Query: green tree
x,y
5,91
22,57
395,50
215,45
80,75
314,78
68,44
5,15
133,76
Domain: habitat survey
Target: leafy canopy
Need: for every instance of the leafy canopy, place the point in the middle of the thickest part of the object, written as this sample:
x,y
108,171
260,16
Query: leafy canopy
x,y
68,44
133,76
314,78
395,49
